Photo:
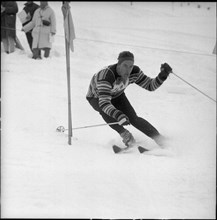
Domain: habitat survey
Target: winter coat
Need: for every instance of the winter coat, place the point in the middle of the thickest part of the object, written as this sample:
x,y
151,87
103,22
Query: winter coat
x,y
8,19
30,9
41,32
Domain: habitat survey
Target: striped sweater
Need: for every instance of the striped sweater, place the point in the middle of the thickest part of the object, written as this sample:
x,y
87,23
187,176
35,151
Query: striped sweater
x,y
107,85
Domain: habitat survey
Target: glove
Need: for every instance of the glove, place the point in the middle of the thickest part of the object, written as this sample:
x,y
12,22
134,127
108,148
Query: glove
x,y
46,23
123,120
165,71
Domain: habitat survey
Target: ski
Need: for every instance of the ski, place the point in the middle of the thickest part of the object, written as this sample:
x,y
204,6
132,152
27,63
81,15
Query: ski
x,y
118,149
142,149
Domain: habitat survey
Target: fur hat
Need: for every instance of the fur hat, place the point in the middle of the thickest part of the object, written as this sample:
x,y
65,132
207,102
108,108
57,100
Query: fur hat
x,y
125,55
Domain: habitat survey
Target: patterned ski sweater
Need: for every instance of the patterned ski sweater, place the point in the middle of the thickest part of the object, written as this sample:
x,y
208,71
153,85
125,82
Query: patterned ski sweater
x,y
107,85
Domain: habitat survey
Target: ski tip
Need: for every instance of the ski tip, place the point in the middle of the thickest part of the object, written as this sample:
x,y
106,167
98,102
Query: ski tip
x,y
142,149
116,149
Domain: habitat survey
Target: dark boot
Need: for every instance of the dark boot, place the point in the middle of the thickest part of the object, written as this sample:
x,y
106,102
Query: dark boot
x,y
46,52
36,53
128,138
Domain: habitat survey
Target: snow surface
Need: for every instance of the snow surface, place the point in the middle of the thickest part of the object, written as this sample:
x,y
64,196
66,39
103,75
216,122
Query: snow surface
x,y
43,176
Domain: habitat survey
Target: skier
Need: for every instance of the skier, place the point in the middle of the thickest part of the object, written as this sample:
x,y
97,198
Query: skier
x,y
106,95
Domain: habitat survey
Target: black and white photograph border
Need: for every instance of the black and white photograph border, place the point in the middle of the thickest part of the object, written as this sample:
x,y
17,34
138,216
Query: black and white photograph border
x,y
80,77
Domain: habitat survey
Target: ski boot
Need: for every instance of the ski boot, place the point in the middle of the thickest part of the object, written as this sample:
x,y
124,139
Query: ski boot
x,y
160,140
128,139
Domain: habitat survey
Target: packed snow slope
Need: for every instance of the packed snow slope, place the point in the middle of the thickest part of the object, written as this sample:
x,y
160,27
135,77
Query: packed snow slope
x,y
43,176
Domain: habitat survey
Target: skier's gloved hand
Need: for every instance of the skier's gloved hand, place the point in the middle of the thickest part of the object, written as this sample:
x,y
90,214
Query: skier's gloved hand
x,y
123,120
166,67
165,70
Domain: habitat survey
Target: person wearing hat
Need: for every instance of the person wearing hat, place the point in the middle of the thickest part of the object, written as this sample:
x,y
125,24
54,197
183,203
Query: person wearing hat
x,y
106,95
43,26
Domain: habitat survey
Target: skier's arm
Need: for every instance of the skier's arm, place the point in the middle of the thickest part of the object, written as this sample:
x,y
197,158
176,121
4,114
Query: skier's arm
x,y
104,87
149,83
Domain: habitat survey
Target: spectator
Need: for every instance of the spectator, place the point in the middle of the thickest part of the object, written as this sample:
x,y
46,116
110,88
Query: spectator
x,y
9,10
29,8
44,27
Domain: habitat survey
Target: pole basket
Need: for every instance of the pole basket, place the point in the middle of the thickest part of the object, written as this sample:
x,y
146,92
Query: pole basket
x,y
60,129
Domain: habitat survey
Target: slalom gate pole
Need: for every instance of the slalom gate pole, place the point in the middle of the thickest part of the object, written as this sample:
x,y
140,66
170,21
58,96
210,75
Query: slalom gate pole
x,y
62,129
69,93
194,87
67,45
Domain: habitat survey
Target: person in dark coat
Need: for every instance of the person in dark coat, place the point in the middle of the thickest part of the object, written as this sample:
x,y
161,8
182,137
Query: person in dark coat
x,y
9,10
29,8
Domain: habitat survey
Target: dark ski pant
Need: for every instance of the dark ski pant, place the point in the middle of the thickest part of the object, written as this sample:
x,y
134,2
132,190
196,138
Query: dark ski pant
x,y
123,104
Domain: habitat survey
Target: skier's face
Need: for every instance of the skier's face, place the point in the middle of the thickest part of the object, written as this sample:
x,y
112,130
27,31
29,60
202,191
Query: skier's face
x,y
125,68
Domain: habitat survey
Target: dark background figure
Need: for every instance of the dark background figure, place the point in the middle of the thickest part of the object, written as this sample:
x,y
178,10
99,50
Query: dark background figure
x,y
29,8
9,10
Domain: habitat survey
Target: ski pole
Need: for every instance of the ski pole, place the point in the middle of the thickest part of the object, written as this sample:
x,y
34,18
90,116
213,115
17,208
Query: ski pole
x,y
62,129
194,87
